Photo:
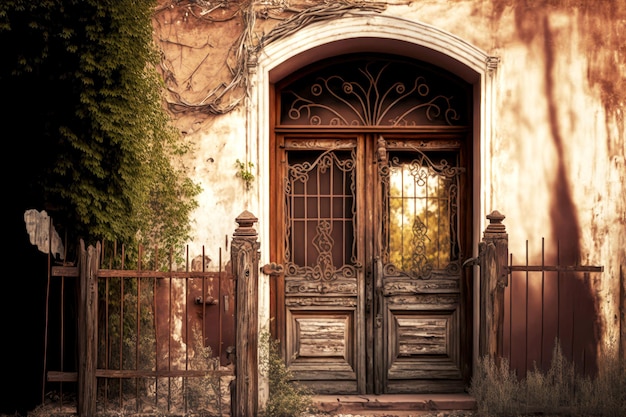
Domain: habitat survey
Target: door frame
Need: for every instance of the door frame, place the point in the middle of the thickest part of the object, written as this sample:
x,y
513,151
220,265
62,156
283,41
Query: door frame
x,y
370,33
394,106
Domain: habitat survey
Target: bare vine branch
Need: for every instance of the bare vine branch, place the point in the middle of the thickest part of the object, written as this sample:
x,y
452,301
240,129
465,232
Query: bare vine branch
x,y
242,53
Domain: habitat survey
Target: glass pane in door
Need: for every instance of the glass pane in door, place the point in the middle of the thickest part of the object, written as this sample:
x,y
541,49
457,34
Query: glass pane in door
x,y
421,208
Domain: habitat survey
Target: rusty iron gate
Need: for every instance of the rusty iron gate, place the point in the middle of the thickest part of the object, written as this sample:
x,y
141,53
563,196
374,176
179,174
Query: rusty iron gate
x,y
528,309
550,304
164,338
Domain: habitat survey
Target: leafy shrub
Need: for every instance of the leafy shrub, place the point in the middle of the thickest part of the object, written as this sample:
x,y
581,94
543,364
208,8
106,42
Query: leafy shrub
x,y
287,398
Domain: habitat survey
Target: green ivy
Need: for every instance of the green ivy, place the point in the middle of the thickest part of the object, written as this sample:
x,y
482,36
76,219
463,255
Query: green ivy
x,y
108,153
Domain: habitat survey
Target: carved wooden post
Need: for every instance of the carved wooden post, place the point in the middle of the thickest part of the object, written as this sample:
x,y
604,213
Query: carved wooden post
x,y
493,255
87,329
245,263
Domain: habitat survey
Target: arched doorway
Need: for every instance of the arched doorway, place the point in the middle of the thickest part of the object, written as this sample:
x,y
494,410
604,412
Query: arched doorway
x,y
370,172
365,34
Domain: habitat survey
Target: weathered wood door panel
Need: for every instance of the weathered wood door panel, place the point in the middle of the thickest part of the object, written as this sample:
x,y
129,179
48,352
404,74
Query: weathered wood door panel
x,y
323,280
321,349
418,296
370,206
422,344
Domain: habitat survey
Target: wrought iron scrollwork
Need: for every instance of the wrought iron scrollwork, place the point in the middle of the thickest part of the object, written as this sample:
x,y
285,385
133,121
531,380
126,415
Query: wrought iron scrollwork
x,y
322,268
363,98
421,247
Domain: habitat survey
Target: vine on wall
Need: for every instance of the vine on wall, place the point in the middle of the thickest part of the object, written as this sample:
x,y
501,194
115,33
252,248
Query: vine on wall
x,y
211,77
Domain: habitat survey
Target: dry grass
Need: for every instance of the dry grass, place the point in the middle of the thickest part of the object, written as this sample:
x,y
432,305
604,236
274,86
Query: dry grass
x,y
558,392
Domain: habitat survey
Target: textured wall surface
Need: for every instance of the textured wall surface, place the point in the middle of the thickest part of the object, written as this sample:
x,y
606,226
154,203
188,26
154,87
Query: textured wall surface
x,y
557,152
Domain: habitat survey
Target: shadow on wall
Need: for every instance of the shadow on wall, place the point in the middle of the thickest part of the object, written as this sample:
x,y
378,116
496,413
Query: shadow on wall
x,y
566,228
548,307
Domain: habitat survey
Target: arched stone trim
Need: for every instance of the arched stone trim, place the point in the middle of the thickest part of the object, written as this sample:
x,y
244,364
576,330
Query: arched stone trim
x,y
369,33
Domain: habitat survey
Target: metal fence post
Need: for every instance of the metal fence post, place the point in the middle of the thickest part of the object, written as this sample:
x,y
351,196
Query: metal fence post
x,y
493,256
245,263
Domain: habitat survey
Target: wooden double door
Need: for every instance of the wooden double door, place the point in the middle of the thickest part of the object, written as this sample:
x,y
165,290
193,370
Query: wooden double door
x,y
369,227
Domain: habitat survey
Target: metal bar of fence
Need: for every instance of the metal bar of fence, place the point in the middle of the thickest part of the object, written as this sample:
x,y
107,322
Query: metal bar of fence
x,y
510,309
119,366
543,272
526,321
514,321
138,340
220,305
156,338
186,292
557,268
169,336
558,291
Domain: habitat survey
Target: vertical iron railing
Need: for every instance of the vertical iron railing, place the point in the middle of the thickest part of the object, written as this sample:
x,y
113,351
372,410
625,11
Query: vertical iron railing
x,y
550,303
525,309
146,340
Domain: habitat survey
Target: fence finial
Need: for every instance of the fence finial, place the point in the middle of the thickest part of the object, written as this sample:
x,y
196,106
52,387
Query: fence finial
x,y
495,222
246,222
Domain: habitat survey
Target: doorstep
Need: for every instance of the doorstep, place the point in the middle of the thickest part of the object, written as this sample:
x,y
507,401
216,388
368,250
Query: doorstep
x,y
375,404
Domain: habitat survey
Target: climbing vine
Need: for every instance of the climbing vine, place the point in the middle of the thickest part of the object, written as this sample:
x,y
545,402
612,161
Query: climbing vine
x,y
98,152
220,92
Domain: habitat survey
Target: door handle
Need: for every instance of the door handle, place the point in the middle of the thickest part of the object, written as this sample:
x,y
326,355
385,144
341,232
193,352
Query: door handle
x,y
272,269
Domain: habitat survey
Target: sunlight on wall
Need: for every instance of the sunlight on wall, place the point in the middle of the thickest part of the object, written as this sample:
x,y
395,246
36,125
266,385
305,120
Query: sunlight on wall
x,y
554,152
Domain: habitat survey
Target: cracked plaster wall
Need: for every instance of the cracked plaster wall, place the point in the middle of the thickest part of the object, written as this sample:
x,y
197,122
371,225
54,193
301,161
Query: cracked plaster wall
x,y
557,153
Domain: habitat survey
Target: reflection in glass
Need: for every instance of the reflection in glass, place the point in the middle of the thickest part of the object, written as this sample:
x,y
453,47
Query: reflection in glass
x,y
421,208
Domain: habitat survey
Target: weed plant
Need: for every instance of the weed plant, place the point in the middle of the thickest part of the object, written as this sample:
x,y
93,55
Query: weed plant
x,y
204,394
287,398
560,391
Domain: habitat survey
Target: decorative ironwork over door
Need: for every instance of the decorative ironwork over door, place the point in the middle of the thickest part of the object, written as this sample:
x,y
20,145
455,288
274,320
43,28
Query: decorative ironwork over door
x,y
370,201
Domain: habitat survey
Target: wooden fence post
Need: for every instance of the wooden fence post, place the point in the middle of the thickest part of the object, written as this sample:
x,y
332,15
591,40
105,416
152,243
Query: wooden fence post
x,y
87,329
493,256
245,263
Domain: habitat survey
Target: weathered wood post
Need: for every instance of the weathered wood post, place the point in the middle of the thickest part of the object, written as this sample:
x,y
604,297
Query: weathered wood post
x,y
87,329
245,263
493,256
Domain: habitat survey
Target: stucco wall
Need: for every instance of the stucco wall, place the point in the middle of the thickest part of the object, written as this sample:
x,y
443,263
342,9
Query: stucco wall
x,y
556,148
